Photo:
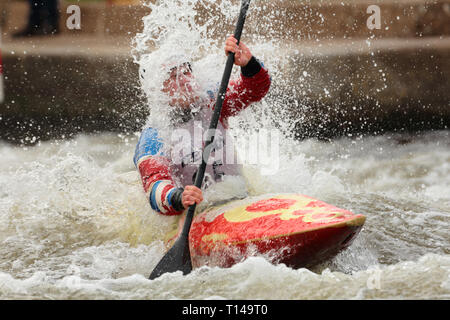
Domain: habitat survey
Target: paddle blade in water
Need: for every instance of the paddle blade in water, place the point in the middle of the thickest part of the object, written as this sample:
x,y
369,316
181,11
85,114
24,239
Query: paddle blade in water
x,y
178,258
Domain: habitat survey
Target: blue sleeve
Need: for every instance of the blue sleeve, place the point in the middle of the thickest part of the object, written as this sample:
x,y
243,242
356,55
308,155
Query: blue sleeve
x,y
149,144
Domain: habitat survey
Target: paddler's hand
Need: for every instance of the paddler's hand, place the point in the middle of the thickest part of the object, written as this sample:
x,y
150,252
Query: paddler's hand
x,y
191,195
242,54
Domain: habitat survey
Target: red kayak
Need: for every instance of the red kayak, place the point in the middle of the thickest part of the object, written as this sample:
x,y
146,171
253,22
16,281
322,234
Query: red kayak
x,y
293,229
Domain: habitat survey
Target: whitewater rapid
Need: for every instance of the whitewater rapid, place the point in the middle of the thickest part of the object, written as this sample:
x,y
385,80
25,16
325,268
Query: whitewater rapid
x,y
74,223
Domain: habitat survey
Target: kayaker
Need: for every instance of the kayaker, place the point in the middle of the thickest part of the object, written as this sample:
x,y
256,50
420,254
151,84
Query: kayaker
x,y
162,175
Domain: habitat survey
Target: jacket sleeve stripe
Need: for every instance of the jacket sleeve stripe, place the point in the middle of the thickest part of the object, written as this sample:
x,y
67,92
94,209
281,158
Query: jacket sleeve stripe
x,y
152,197
160,196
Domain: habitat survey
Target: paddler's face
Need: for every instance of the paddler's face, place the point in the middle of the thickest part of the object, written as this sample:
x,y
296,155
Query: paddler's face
x,y
180,86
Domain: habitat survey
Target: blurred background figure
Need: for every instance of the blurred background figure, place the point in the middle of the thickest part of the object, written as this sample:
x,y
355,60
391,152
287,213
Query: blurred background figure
x,y
43,19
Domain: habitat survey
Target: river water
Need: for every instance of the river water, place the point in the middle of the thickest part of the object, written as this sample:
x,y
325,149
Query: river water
x,y
75,223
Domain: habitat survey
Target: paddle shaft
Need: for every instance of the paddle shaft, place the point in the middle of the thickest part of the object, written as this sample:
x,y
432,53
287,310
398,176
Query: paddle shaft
x,y
215,117
178,258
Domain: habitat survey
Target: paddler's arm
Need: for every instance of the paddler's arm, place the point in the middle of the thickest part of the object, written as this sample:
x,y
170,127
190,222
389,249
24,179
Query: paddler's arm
x,y
191,195
253,84
154,168
167,199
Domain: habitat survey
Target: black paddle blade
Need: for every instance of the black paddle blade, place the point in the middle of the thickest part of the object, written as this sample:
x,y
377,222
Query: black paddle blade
x,y
177,258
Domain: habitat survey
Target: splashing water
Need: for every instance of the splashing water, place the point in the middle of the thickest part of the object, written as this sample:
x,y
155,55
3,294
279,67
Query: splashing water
x,y
177,31
74,221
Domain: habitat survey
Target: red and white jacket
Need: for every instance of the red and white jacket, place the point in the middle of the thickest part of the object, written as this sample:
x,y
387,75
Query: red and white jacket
x,y
160,174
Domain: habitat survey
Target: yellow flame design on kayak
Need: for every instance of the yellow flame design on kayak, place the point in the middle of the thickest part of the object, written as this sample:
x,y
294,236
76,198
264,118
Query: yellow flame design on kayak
x,y
240,214
215,237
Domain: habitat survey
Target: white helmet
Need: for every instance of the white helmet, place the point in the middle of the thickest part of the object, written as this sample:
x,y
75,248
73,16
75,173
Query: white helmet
x,y
176,60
